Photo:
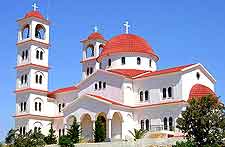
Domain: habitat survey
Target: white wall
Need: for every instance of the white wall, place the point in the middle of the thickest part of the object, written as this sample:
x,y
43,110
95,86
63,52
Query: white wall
x,y
155,85
113,88
131,62
189,79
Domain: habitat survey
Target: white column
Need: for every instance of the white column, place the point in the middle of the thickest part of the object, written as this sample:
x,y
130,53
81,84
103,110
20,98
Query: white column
x,y
110,128
93,128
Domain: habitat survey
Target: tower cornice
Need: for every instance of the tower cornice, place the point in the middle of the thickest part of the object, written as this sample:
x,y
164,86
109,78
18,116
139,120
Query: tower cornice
x,y
32,41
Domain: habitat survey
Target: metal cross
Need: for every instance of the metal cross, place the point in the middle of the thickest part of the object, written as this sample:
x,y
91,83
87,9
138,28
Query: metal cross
x,y
35,7
126,25
95,29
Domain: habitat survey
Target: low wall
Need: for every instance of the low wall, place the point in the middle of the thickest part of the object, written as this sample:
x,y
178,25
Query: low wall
x,y
139,143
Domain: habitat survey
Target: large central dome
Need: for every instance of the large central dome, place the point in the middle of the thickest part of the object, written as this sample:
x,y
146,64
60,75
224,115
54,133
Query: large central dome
x,y
127,43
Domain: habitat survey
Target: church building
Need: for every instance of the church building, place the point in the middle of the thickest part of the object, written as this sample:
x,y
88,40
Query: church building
x,y
121,85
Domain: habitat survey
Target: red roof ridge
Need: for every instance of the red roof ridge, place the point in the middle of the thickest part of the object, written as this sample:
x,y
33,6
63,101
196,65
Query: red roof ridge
x,y
164,71
61,90
137,106
128,72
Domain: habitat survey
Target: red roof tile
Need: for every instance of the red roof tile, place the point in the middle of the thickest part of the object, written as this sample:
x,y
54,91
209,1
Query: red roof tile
x,y
127,43
163,71
61,90
139,106
127,72
36,14
199,90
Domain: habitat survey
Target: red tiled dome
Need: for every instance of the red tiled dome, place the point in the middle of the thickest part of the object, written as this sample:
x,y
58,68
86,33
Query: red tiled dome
x,y
95,35
199,90
36,14
127,43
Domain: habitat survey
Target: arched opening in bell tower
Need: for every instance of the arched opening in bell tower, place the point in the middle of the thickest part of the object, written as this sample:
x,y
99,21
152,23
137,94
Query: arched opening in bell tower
x,y
26,31
40,32
90,51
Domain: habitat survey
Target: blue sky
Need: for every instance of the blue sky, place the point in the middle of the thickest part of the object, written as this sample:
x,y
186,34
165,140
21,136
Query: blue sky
x,y
181,32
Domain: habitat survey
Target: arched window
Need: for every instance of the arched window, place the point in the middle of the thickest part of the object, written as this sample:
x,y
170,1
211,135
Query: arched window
x,y
170,91
147,124
59,132
22,79
26,32
109,62
91,70
36,79
146,95
104,85
41,55
100,85
21,130
150,62
26,54
165,123
24,130
24,106
21,107
164,92
198,75
23,55
37,54
40,79
90,51
88,71
63,131
170,123
36,106
96,86
40,32
59,107
25,79
141,96
123,61
39,106
142,124
35,129
100,48
63,105
138,60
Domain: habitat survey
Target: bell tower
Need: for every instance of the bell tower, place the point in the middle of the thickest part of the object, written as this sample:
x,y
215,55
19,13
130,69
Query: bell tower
x,y
92,47
32,72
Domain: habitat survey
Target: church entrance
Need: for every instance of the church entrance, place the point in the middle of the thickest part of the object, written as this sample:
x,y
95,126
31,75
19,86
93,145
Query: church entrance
x,y
117,126
87,129
100,128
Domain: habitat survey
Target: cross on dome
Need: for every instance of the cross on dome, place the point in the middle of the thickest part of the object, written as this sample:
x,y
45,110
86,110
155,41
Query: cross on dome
x,y
126,25
95,29
35,7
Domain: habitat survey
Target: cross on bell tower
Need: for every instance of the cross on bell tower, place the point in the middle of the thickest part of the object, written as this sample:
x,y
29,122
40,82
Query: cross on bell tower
x,y
126,25
95,28
35,7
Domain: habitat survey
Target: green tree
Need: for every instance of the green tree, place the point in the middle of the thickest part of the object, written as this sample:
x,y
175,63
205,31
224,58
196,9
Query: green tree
x,y
138,134
30,139
184,144
51,138
11,136
65,141
99,132
203,121
74,132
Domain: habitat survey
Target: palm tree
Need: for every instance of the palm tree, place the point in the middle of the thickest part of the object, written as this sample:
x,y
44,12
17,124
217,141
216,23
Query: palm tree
x,y
138,134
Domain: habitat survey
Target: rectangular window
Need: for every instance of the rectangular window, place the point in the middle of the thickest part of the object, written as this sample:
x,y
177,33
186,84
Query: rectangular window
x,y
123,61
164,92
59,107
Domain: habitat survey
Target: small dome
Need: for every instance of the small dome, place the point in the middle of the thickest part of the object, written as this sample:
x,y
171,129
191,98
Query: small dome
x,y
95,35
36,14
199,90
127,43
